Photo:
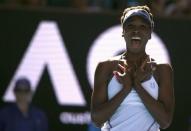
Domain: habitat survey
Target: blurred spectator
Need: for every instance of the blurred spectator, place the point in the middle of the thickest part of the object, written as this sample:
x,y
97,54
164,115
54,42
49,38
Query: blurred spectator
x,y
158,7
59,3
133,2
83,5
22,115
111,4
115,4
80,4
25,2
179,8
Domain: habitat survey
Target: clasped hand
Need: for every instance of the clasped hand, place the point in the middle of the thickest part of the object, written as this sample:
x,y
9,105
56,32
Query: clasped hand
x,y
132,76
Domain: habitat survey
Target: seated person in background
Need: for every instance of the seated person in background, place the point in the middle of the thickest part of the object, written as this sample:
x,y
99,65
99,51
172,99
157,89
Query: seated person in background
x,y
22,115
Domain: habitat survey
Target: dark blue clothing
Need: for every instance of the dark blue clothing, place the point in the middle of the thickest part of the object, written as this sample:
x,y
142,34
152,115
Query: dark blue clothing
x,y
11,119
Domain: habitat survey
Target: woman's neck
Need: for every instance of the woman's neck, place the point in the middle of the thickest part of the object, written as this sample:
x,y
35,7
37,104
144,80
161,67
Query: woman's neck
x,y
135,58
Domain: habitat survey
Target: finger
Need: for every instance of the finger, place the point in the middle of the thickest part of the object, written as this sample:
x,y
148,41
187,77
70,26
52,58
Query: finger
x,y
144,63
117,75
152,66
122,68
148,67
126,65
123,62
153,63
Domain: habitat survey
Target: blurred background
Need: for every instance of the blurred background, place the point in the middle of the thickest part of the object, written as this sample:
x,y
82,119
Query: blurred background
x,y
56,44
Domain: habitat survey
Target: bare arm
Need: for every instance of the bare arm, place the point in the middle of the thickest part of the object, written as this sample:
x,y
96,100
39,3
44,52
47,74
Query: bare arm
x,y
102,108
163,108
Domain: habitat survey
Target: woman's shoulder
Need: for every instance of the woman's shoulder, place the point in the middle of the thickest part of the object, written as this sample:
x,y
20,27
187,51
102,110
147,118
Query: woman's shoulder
x,y
164,67
107,66
161,66
163,71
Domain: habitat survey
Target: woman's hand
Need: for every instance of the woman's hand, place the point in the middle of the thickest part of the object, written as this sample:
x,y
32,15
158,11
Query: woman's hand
x,y
124,74
144,72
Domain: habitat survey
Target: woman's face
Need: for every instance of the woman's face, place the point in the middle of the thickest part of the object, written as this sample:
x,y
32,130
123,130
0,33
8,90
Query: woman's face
x,y
136,32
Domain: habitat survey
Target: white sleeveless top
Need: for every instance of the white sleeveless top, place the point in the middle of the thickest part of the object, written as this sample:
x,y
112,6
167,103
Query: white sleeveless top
x,y
132,115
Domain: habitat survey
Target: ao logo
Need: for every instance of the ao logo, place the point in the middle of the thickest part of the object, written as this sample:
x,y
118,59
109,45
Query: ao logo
x,y
47,50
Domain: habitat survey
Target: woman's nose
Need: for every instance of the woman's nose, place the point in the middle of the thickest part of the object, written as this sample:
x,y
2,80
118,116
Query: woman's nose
x,y
135,31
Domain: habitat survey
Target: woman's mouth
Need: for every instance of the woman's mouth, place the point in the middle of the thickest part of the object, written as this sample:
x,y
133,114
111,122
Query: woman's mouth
x,y
136,42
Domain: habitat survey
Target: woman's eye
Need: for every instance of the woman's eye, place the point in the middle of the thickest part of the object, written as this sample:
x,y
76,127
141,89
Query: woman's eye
x,y
130,26
143,27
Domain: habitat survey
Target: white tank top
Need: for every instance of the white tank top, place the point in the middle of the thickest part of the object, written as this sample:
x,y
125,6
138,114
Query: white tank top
x,y
150,86
132,115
